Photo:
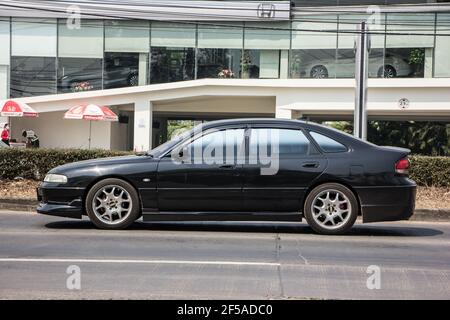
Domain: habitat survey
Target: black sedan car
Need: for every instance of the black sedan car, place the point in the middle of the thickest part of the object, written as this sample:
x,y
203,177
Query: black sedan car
x,y
240,170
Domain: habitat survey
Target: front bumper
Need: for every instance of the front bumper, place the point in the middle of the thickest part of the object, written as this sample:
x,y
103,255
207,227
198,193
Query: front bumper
x,y
60,201
390,203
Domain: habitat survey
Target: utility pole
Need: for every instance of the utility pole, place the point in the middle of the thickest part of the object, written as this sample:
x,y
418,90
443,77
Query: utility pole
x,y
361,74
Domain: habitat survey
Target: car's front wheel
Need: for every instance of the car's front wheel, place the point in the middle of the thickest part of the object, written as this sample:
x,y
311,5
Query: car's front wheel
x,y
112,204
331,208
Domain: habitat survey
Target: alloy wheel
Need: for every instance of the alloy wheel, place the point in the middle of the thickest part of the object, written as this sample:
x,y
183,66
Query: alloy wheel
x,y
389,72
319,72
331,209
112,204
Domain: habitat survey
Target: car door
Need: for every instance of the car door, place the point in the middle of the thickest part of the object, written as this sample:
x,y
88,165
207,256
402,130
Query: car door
x,y
278,182
208,175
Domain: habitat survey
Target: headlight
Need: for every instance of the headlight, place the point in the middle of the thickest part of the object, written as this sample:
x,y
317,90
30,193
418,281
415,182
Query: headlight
x,y
56,178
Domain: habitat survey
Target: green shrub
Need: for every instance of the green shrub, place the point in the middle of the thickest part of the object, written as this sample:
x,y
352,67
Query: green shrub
x,y
35,163
430,171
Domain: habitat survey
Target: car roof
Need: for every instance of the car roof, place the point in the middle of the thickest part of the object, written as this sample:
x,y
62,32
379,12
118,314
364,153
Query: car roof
x,y
308,125
240,121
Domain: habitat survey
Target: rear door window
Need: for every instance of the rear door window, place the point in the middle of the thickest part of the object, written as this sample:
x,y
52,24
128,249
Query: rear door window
x,y
287,142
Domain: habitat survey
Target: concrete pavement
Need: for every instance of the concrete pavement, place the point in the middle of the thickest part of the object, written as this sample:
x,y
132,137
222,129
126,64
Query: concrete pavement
x,y
220,260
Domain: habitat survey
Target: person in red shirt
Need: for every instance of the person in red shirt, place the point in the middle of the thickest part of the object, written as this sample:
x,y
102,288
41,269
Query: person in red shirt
x,y
5,134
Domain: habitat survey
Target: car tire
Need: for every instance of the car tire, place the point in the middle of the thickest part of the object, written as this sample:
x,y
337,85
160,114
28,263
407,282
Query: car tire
x,y
112,204
331,209
387,72
319,72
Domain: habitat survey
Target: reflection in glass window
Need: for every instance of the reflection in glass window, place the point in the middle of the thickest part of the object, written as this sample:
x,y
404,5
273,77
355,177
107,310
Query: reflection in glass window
x,y
404,62
172,64
218,63
32,76
121,70
278,141
313,63
79,74
328,144
223,146
345,65
261,64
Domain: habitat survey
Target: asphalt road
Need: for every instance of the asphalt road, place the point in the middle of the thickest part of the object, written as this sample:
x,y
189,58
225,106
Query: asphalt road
x,y
220,260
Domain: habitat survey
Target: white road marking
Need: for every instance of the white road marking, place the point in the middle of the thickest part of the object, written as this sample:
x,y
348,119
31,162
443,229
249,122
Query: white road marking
x,y
191,262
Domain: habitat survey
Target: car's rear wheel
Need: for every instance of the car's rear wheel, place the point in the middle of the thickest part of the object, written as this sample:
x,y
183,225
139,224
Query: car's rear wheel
x,y
387,72
331,208
319,72
112,204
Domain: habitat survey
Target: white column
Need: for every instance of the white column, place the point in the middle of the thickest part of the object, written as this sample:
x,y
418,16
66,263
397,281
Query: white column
x,y
428,63
143,67
283,113
284,64
142,125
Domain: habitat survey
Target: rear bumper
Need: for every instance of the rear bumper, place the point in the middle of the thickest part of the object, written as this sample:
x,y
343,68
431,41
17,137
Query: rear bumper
x,y
391,203
60,201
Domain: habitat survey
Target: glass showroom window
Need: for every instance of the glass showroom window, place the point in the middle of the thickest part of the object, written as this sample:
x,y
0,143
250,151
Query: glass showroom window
x,y
127,45
80,55
33,57
172,64
121,70
219,63
32,76
219,51
5,37
265,44
313,54
261,64
172,56
409,55
345,58
79,74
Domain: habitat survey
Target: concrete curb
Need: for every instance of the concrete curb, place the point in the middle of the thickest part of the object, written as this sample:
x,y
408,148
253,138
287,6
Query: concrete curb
x,y
29,205
19,204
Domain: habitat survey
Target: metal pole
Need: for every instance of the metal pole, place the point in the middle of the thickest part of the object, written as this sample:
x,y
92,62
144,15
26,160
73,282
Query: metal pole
x,y
361,75
90,131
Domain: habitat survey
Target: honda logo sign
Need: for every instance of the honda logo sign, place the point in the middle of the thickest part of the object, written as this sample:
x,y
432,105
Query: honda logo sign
x,y
266,10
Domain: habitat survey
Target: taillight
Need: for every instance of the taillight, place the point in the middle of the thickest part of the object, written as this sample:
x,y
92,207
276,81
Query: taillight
x,y
402,166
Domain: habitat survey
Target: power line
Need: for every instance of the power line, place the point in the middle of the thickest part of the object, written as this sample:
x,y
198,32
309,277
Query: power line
x,y
412,33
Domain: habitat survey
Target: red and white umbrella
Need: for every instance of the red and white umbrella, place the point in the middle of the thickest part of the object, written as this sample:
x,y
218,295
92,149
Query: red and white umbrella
x,y
12,108
91,112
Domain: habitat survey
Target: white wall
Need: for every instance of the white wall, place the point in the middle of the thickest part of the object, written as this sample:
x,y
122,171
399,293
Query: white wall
x,y
119,136
56,132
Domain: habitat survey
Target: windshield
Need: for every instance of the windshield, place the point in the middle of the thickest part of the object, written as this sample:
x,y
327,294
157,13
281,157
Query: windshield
x,y
166,146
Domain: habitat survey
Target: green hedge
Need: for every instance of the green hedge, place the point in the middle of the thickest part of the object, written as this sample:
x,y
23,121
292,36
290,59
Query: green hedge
x,y
430,171
35,163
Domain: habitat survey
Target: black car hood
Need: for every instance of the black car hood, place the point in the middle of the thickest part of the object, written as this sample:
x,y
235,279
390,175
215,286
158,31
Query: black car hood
x,y
99,162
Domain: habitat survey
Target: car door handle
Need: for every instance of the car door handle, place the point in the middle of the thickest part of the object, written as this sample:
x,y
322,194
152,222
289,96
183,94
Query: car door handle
x,y
227,166
310,165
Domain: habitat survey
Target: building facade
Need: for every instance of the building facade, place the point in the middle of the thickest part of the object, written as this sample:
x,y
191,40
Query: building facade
x,y
156,61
